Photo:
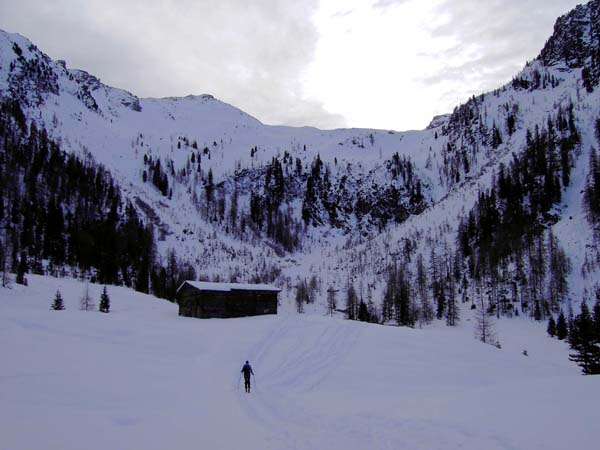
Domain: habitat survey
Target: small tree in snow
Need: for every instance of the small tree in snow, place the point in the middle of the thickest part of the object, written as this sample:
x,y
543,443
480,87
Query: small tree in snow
x,y
86,303
104,301
58,304
484,325
562,329
363,312
351,303
584,342
551,327
301,296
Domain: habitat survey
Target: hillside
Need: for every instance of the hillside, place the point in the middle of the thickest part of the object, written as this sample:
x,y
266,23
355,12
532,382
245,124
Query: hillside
x,y
142,377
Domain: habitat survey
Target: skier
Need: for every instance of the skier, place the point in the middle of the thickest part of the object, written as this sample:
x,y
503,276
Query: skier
x,y
247,371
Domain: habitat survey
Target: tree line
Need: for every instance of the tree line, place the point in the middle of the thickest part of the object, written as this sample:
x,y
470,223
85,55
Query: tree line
x,y
582,332
59,210
506,237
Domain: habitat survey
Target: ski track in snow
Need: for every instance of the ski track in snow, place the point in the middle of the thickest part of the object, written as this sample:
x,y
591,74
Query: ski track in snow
x,y
305,365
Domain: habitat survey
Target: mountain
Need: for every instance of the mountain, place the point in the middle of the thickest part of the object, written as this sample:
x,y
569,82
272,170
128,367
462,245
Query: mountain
x,y
491,207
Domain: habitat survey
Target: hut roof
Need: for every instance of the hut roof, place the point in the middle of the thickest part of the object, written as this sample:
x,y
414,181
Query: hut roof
x,y
227,287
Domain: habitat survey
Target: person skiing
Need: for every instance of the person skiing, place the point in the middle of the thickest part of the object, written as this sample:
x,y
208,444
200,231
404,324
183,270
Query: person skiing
x,y
247,371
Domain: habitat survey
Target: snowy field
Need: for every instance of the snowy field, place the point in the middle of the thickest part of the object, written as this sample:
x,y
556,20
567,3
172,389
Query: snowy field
x,y
142,377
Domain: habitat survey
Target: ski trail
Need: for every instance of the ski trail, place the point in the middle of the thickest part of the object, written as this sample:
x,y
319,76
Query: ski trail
x,y
293,359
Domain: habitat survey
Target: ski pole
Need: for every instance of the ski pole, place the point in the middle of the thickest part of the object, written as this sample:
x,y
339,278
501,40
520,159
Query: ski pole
x,y
239,381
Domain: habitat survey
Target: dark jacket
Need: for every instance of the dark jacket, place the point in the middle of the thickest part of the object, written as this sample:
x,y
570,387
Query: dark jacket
x,y
247,370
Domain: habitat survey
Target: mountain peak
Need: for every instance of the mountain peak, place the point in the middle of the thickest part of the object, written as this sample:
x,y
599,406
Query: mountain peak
x,y
576,39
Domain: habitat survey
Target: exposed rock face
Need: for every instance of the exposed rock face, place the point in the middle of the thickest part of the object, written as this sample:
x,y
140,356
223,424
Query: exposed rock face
x,y
575,42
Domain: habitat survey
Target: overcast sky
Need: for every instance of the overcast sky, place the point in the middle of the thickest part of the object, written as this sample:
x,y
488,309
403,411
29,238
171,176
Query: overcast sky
x,y
327,63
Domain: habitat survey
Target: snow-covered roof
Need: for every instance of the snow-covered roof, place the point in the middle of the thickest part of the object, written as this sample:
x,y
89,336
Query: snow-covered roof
x,y
226,287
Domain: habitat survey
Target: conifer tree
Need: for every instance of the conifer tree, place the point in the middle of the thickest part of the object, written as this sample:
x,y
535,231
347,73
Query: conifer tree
x,y
596,319
301,295
551,327
562,330
58,304
363,312
426,310
582,339
104,301
3,262
452,309
22,269
559,269
209,188
537,311
592,188
351,303
372,310
403,298
387,307
440,297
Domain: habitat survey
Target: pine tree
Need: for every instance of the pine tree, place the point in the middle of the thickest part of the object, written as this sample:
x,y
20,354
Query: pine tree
x,y
351,303
591,194
58,304
596,326
372,310
22,270
209,188
301,296
559,269
496,137
551,327
586,350
484,325
387,307
537,311
363,312
440,297
104,301
587,356
562,330
403,298
452,309
233,208
4,262
313,288
426,310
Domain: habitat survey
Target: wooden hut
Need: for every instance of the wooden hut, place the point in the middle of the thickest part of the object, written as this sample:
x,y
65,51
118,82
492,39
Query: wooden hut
x,y
223,300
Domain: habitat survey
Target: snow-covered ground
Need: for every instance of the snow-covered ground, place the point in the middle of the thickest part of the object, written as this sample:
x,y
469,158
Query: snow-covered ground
x,y
141,377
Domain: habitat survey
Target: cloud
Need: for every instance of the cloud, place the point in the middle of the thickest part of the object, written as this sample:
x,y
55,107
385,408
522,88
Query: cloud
x,y
250,54
389,3
492,39
379,63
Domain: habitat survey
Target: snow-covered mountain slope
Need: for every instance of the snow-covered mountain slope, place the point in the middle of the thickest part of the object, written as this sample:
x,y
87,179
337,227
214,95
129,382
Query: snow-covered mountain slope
x,y
142,377
242,200
120,131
